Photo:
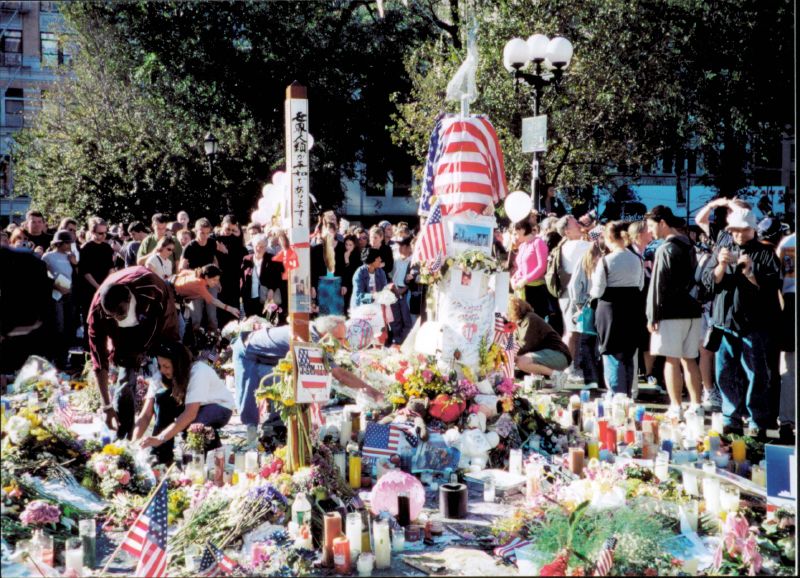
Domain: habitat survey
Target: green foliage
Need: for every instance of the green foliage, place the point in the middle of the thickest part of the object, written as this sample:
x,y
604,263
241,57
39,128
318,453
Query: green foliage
x,y
646,77
124,134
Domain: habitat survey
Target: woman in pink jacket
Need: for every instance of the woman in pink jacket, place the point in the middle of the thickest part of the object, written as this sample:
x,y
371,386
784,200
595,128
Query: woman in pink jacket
x,y
530,267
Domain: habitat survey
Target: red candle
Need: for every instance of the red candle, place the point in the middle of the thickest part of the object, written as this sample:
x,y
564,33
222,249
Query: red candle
x,y
610,439
341,555
603,425
331,529
630,436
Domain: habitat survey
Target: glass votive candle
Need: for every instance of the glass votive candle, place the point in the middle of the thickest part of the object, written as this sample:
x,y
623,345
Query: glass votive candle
x,y
711,491
691,512
489,489
662,466
73,555
717,422
709,467
365,564
729,498
88,533
515,462
721,459
690,481
398,541
758,475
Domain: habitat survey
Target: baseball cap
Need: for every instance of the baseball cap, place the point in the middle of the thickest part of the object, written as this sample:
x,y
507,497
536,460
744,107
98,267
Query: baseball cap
x,y
741,219
62,236
596,233
770,229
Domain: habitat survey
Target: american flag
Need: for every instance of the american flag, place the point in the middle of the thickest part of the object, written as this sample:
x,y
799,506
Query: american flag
x,y
605,560
215,563
308,362
434,152
382,440
507,549
147,539
470,173
431,243
63,412
504,337
436,264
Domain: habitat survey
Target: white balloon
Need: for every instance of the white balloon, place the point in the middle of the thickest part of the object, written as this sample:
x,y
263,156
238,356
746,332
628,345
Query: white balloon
x,y
278,178
310,141
518,205
268,190
255,217
263,204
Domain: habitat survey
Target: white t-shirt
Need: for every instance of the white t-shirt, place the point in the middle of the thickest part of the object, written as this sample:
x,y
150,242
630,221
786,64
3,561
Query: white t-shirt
x,y
255,282
159,266
571,254
371,286
205,387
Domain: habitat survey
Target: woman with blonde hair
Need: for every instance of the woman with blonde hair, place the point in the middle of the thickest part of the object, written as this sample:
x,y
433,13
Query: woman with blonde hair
x,y
617,283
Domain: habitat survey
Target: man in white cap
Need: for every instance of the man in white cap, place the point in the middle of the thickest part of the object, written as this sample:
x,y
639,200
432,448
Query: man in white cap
x,y
745,283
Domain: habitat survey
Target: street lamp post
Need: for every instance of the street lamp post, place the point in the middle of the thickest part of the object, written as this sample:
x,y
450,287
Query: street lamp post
x,y
211,147
550,58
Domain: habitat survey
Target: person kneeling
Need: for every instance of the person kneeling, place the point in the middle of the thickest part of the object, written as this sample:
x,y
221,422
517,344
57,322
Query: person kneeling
x,y
541,351
188,393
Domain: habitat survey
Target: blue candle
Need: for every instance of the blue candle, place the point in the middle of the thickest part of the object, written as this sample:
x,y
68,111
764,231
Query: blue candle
x,y
639,413
585,396
600,411
666,445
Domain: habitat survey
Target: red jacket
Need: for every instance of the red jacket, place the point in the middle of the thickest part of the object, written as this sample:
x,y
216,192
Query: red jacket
x,y
156,313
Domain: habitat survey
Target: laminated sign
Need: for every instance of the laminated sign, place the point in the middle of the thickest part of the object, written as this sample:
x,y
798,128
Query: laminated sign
x,y
312,377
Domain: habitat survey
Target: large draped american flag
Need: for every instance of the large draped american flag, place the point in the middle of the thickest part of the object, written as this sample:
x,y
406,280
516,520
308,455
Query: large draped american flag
x,y
464,169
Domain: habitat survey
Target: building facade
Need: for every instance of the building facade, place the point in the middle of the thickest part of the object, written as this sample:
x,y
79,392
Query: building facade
x,y
32,49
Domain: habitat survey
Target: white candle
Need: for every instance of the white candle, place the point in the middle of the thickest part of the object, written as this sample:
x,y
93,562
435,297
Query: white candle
x,y
758,476
353,532
709,467
729,498
717,422
711,495
690,482
340,461
382,544
251,462
689,509
515,462
662,466
73,559
345,429
365,564
398,541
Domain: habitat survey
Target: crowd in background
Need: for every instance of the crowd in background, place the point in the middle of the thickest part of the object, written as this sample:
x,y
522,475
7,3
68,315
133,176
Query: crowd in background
x,y
708,308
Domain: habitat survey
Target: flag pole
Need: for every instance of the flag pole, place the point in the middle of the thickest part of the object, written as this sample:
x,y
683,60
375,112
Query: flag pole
x,y
142,511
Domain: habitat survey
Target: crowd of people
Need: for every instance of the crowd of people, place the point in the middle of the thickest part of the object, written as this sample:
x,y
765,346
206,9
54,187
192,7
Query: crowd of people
x,y
709,306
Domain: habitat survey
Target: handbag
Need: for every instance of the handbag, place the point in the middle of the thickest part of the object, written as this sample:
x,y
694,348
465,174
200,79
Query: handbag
x,y
712,339
584,320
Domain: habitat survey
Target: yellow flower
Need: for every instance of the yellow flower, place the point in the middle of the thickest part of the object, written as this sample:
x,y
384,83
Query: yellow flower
x,y
112,450
280,453
397,399
287,401
284,366
77,385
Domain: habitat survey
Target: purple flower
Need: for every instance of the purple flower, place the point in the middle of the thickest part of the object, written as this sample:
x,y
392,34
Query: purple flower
x,y
39,513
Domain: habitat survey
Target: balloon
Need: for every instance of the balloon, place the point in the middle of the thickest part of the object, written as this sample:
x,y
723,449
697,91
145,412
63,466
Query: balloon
x,y
393,482
359,333
310,141
263,204
256,217
268,190
518,206
278,178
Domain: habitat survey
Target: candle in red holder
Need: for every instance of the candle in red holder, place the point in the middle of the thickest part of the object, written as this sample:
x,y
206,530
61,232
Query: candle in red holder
x,y
630,435
331,529
610,439
602,423
341,555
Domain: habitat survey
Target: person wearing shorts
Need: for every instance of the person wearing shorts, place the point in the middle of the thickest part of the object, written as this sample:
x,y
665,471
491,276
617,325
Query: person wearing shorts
x,y
541,351
674,317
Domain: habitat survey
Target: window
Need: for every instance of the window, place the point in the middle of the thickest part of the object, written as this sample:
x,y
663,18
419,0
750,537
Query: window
x,y
11,47
15,106
5,188
48,6
50,51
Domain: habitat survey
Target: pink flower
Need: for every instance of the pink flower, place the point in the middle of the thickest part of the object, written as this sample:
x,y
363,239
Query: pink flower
x,y
427,375
39,513
123,477
101,468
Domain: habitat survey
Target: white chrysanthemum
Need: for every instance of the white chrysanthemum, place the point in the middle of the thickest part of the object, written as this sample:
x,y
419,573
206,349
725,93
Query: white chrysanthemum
x,y
18,429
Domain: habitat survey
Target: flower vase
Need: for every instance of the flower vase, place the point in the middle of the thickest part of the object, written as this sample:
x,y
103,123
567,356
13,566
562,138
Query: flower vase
x,y
197,468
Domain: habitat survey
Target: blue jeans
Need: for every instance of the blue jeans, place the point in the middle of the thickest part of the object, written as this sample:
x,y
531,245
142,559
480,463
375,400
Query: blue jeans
x,y
252,362
619,371
587,358
743,376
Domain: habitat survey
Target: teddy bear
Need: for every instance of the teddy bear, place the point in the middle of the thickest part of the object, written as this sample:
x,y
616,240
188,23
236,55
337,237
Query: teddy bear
x,y
474,442
415,412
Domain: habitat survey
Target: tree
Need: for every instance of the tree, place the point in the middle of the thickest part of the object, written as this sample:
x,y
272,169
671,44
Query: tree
x,y
177,69
646,77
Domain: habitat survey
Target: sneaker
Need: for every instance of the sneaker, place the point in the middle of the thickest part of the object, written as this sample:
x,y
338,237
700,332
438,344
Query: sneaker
x,y
695,409
712,400
558,379
674,412
573,375
651,380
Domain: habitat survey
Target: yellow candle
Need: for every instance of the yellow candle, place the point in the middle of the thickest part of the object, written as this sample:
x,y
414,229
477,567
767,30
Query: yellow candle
x,y
355,471
593,449
739,450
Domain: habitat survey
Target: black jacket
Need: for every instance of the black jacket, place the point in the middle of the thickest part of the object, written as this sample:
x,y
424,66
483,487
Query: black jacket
x,y
738,304
668,296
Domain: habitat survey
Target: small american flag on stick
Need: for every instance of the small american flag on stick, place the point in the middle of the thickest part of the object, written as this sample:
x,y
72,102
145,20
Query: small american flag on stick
x,y
215,563
381,440
147,539
605,560
63,413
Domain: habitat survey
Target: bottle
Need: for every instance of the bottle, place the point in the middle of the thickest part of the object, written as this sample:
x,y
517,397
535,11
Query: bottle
x,y
301,509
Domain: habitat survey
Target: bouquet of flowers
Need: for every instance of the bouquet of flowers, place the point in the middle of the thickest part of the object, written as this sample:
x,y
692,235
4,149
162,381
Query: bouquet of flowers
x,y
737,553
473,260
279,557
113,470
40,513
197,437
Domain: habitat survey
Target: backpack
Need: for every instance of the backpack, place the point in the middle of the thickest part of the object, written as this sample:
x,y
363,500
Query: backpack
x,y
705,260
555,278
